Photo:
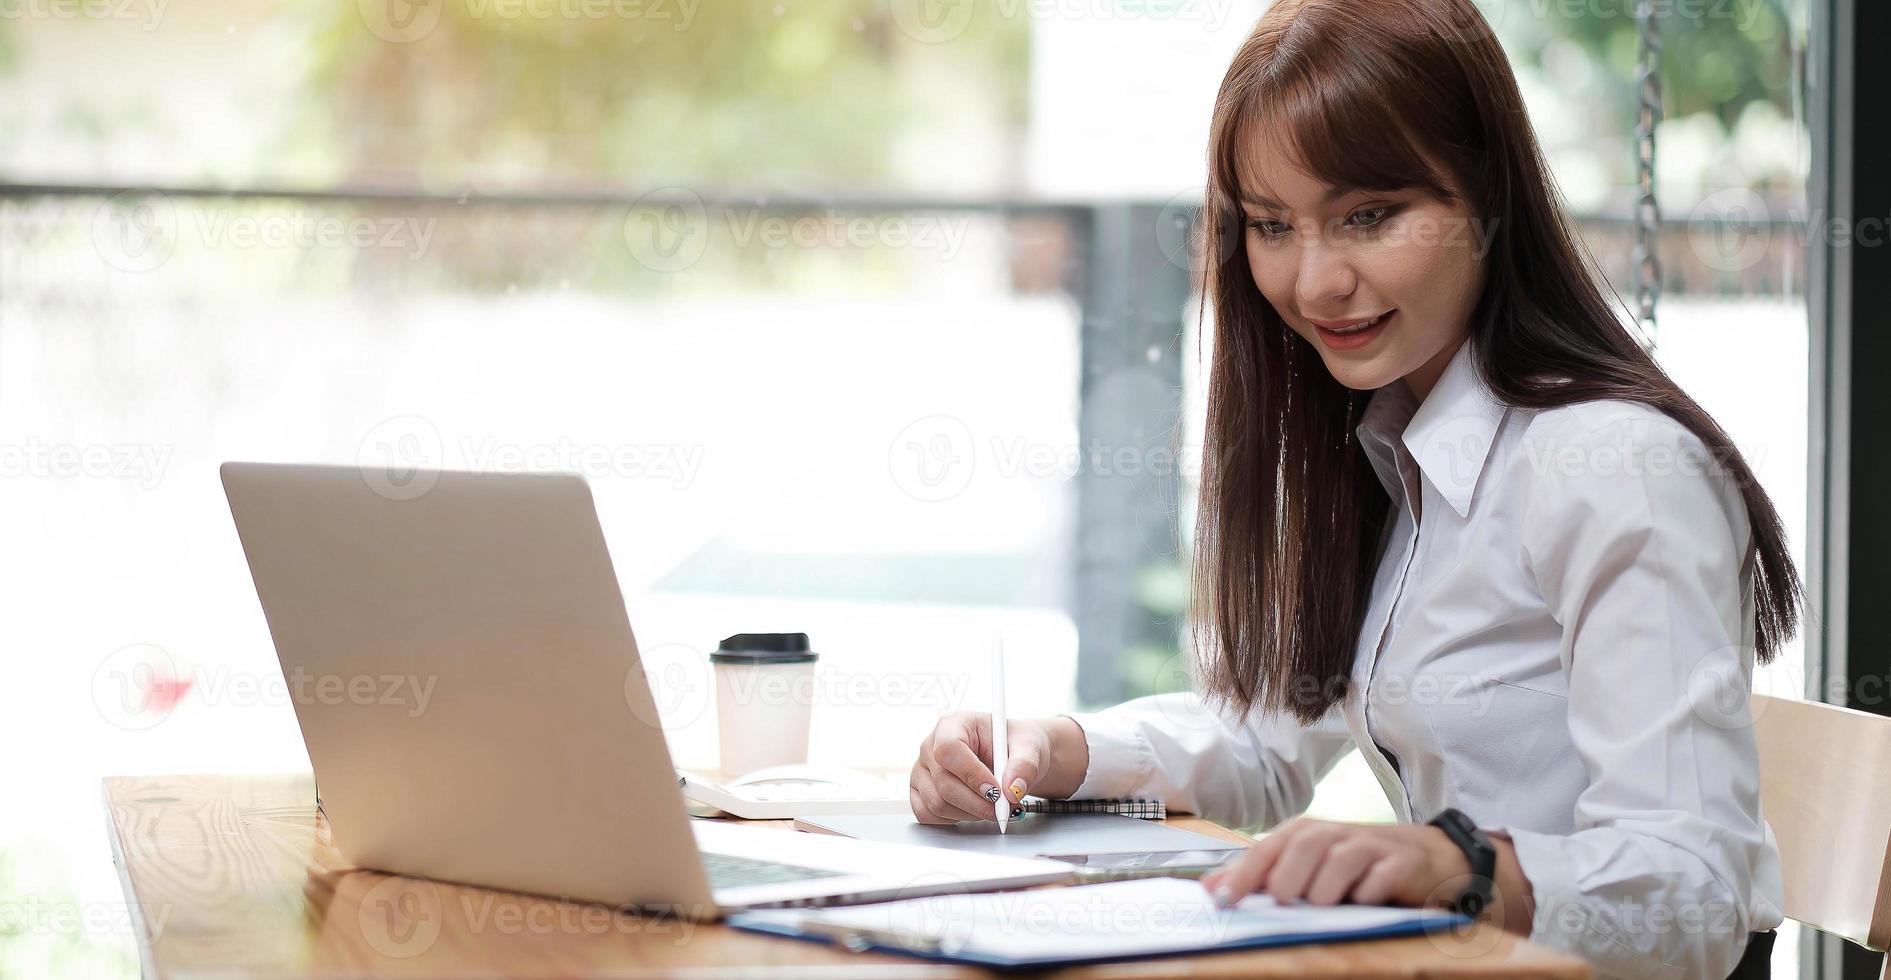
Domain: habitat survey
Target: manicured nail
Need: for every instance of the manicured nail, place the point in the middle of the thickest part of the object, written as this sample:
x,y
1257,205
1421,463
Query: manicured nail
x,y
989,792
1017,790
1017,811
1224,897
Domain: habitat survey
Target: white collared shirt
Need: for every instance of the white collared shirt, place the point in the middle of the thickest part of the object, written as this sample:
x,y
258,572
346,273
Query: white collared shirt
x,y
1560,645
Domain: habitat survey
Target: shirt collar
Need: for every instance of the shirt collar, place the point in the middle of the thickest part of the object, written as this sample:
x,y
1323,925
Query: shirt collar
x,y
1449,436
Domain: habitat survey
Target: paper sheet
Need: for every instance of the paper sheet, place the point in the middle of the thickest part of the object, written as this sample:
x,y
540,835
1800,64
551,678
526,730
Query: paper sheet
x,y
1122,918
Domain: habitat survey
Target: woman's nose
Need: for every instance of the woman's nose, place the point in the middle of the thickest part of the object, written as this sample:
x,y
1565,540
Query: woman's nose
x,y
1326,276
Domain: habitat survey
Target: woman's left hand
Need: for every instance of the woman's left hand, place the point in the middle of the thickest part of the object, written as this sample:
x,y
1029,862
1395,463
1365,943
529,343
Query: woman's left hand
x,y
1327,863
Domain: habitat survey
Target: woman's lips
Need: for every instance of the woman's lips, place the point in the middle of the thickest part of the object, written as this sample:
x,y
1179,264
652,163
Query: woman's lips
x,y
1356,338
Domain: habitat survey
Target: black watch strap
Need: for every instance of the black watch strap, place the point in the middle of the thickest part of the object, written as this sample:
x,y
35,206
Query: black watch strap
x,y
1478,851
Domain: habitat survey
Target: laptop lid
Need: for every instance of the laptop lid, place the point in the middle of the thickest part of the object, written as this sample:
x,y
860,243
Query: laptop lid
x,y
466,680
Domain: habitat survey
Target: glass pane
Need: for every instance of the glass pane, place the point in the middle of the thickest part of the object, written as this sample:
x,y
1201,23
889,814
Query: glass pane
x,y
515,93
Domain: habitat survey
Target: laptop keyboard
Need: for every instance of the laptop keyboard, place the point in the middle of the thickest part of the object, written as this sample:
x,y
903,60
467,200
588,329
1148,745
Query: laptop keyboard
x,y
728,870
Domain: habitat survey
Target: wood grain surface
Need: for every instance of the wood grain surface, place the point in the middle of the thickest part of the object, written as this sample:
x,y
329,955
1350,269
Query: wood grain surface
x,y
236,875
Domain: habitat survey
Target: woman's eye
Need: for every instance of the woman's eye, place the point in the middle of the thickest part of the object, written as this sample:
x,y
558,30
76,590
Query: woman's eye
x,y
1368,217
1268,227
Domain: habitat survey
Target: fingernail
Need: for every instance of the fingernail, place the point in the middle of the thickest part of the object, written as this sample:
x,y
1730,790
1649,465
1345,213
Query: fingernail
x,y
989,791
1017,811
1223,896
1017,790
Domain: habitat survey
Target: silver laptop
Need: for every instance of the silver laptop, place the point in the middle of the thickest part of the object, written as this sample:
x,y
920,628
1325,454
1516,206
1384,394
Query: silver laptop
x,y
465,677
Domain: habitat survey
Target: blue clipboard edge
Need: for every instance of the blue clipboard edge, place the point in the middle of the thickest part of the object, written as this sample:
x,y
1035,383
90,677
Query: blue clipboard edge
x,y
741,920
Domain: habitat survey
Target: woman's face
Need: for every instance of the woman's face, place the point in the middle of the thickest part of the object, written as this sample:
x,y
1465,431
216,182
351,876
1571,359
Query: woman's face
x,y
1331,258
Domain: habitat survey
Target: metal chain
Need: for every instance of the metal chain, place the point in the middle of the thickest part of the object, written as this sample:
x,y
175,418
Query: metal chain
x,y
1648,206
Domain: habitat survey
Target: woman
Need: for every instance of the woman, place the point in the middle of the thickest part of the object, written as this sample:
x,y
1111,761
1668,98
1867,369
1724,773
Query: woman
x,y
1451,514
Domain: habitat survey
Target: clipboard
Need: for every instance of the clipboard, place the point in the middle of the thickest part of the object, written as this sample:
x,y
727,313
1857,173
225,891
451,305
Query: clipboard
x,y
1082,924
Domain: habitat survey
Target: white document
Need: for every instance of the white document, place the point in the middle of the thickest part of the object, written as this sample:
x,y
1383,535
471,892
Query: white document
x,y
1153,916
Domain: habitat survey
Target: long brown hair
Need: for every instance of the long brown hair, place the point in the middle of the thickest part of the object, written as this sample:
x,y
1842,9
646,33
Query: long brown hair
x,y
1370,93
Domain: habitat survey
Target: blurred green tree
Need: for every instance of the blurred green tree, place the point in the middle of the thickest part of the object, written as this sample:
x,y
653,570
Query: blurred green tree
x,y
736,93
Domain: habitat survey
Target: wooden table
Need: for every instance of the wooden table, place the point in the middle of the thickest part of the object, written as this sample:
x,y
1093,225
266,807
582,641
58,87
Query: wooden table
x,y
236,875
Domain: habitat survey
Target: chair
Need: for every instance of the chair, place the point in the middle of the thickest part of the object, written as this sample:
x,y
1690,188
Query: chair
x,y
1825,787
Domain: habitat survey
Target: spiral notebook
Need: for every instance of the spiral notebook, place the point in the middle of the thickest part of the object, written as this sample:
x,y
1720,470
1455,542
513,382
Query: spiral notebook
x,y
1140,809
1086,924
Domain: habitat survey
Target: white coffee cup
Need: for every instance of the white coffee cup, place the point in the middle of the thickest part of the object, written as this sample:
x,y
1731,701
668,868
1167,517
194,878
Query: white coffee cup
x,y
764,700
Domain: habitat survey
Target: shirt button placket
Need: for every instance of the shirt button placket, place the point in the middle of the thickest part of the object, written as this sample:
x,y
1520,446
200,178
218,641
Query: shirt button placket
x,y
1392,782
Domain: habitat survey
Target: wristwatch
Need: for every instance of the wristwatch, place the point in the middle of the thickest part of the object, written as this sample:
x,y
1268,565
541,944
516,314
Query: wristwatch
x,y
1478,850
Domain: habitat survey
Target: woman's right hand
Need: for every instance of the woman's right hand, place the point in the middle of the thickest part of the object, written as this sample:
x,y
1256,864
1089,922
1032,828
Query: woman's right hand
x,y
952,779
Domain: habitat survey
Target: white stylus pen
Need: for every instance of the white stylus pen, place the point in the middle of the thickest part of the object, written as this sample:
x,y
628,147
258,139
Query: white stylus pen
x,y
998,739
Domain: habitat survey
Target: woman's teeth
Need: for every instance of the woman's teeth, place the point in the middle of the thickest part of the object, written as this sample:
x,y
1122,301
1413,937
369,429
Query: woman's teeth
x,y
1368,325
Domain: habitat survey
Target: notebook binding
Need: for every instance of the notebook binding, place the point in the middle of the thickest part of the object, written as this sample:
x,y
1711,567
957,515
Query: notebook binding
x,y
1140,809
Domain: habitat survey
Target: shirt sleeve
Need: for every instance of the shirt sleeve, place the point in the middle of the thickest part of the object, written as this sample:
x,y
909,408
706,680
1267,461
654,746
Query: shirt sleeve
x,y
1636,543
1197,759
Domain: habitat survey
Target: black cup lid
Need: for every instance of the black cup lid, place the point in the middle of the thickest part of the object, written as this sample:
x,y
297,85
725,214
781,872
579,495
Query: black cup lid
x,y
763,648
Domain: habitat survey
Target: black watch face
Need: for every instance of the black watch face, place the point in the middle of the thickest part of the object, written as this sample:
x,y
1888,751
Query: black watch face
x,y
1471,903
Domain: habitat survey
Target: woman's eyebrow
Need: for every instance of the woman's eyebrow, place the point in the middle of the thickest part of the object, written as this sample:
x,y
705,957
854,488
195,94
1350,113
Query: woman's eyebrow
x,y
1263,200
